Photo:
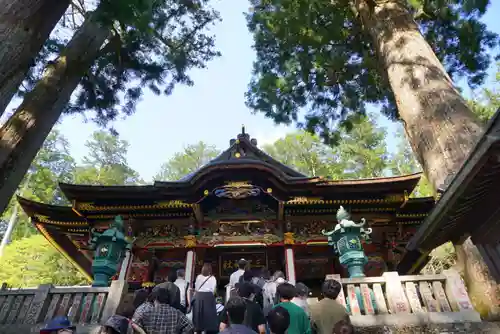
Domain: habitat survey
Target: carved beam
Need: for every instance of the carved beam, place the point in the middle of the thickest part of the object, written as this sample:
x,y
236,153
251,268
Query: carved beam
x,y
198,213
281,210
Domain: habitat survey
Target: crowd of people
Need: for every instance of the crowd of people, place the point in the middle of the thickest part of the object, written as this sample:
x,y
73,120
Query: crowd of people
x,y
258,303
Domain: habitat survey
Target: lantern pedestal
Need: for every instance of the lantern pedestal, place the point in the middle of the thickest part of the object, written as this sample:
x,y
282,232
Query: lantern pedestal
x,y
346,241
101,280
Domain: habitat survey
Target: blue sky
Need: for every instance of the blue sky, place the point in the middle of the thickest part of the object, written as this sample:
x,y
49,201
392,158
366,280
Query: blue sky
x,y
213,110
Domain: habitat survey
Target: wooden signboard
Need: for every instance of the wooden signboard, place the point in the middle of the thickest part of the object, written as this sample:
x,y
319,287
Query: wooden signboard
x,y
228,262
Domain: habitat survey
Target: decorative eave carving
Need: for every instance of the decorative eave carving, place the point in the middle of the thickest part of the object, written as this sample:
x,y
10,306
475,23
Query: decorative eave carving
x,y
174,204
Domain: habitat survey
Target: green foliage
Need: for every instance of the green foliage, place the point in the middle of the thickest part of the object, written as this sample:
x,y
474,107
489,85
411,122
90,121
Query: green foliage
x,y
360,153
183,163
53,163
364,150
153,44
442,258
106,162
314,57
32,261
487,101
306,154
403,162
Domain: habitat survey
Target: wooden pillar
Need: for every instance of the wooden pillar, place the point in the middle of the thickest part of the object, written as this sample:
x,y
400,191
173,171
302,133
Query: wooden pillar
x,y
127,260
290,265
190,266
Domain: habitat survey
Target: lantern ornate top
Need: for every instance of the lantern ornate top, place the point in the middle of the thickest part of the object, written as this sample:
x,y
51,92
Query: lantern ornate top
x,y
115,232
345,222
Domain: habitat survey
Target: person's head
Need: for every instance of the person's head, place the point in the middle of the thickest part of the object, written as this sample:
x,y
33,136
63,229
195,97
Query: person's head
x,y
343,327
242,263
248,275
161,295
151,296
302,290
140,297
265,274
236,308
59,325
245,289
181,273
172,275
286,291
278,274
219,300
116,324
206,270
278,320
331,288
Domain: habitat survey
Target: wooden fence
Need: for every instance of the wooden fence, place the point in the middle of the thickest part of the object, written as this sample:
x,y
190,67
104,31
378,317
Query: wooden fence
x,y
26,310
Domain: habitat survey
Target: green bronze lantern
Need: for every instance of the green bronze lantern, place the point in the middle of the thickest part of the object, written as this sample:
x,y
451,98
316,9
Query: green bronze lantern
x,y
346,241
109,248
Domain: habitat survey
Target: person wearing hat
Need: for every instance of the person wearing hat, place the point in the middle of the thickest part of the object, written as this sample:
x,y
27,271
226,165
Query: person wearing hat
x,y
59,325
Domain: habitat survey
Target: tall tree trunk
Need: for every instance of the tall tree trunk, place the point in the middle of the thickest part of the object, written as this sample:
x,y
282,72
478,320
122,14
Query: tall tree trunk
x,y
441,128
24,133
25,25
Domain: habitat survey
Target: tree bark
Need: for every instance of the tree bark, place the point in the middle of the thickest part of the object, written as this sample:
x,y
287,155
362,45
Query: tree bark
x,y
25,25
441,128
24,133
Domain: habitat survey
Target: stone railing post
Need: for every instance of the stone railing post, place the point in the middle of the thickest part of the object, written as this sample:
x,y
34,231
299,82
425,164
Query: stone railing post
x,y
115,295
396,297
39,305
456,291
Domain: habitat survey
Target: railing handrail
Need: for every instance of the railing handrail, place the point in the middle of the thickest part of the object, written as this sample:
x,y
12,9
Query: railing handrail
x,y
404,278
81,289
84,305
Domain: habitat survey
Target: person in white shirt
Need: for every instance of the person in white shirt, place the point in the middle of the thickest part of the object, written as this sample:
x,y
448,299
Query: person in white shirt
x,y
270,290
235,277
204,309
182,285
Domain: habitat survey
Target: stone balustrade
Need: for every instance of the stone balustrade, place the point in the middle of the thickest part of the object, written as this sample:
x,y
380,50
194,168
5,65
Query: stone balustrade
x,y
26,310
390,301
393,300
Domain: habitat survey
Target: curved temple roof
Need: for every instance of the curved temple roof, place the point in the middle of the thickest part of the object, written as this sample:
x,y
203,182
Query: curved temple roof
x,y
242,162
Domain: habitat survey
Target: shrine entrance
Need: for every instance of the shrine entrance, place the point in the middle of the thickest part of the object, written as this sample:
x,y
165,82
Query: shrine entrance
x,y
312,264
224,260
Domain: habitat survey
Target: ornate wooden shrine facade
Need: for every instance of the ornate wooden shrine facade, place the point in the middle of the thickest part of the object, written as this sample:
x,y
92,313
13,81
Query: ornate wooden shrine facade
x,y
243,204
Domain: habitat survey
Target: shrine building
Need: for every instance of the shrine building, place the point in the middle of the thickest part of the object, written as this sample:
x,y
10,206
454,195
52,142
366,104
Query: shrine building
x,y
242,204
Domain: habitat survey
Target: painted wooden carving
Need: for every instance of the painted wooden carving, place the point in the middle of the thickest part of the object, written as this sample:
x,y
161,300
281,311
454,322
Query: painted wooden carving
x,y
266,232
310,231
139,271
230,209
163,235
